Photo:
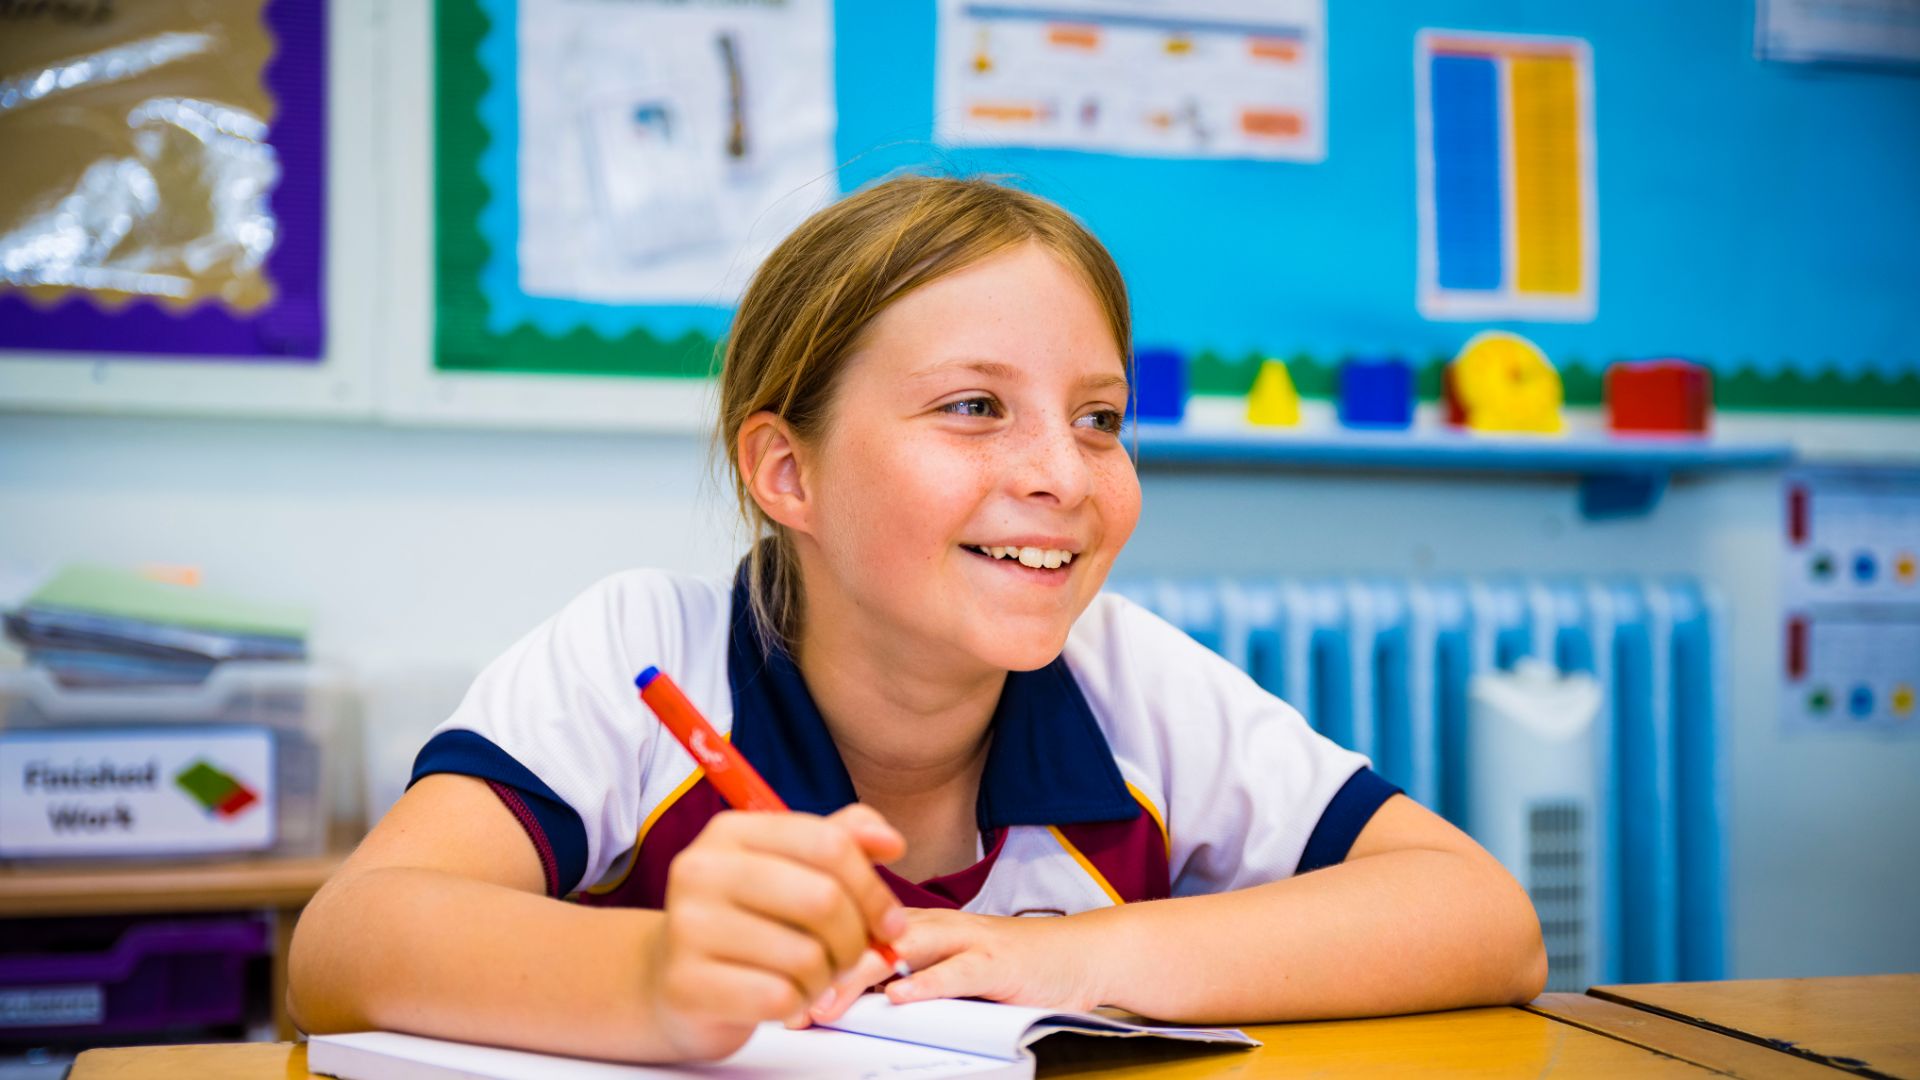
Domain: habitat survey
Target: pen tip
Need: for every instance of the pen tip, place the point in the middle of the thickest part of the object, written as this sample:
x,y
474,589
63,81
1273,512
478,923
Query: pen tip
x,y
901,969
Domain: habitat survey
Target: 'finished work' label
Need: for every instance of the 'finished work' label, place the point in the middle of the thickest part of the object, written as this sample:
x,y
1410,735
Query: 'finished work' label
x,y
142,792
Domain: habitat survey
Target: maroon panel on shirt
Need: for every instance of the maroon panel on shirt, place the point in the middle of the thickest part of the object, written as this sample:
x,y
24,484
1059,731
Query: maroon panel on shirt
x,y
953,890
1131,855
645,885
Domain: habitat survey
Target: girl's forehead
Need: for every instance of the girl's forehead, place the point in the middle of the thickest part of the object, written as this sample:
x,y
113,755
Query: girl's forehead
x,y
1022,307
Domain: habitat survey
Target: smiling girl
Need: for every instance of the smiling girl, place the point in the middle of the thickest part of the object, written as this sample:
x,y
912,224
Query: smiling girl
x,y
1037,793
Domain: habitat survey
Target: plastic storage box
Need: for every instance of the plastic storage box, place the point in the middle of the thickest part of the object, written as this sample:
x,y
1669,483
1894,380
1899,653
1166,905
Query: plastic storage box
x,y
106,979
235,765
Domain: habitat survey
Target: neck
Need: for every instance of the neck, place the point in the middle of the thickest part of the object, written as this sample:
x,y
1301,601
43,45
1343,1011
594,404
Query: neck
x,y
902,731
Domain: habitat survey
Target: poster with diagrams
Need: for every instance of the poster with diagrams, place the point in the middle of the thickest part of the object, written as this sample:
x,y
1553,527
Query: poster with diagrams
x,y
1155,78
1505,156
665,146
1850,599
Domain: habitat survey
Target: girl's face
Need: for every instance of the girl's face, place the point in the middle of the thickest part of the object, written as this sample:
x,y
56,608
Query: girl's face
x,y
971,487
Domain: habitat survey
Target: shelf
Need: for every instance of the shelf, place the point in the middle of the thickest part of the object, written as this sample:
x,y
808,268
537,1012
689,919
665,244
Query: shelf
x,y
1619,477
28,890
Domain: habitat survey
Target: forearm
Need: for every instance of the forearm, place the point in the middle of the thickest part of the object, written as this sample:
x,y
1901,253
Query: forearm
x,y
1402,931
432,953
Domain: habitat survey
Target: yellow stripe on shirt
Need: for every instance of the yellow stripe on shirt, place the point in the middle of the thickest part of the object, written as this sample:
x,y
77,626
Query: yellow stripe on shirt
x,y
645,827
1087,865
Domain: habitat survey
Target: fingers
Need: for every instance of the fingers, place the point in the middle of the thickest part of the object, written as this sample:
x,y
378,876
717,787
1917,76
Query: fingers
x,y
841,846
847,988
961,975
882,842
793,896
740,938
769,887
932,936
735,993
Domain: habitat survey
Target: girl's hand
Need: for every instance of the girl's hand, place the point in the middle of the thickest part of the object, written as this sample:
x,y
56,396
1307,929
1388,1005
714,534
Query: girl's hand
x,y
1046,961
763,913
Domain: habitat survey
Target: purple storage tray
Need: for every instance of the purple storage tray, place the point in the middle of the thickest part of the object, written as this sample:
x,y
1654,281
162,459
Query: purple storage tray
x,y
157,975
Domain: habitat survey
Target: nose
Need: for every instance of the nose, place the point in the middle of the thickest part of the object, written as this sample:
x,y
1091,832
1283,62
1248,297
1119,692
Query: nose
x,y
1052,465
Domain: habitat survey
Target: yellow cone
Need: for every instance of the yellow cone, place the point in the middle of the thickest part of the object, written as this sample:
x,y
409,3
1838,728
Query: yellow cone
x,y
1273,402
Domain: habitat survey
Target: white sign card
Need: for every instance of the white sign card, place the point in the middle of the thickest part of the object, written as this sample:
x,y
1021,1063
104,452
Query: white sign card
x,y
142,792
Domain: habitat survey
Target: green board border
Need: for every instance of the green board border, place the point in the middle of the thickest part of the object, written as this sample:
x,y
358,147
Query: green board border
x,y
1743,391
462,341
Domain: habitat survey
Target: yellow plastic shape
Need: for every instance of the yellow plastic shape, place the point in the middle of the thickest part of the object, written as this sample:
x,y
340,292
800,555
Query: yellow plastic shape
x,y
1273,402
1505,384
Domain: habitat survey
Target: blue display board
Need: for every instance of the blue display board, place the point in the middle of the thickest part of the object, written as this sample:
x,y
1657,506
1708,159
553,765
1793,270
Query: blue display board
x,y
1761,218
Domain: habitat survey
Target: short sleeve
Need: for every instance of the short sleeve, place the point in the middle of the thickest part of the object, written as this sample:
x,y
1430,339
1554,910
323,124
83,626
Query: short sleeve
x,y
553,724
1251,793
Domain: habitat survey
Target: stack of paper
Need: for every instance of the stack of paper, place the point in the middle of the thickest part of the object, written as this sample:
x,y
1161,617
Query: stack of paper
x,y
100,626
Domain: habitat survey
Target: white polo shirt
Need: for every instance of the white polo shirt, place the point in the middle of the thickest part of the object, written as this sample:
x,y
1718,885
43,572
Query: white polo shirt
x,y
1137,765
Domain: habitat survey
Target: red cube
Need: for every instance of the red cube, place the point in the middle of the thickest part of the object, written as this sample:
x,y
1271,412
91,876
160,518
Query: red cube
x,y
1660,396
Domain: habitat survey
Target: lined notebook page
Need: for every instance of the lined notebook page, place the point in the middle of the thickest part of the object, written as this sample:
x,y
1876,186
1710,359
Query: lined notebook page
x,y
774,1053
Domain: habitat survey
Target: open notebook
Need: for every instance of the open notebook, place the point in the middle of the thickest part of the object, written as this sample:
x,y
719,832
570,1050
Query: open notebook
x,y
926,1040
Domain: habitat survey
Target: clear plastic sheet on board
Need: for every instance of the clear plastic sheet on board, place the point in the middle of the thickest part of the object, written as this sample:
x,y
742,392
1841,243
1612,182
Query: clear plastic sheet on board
x,y
135,157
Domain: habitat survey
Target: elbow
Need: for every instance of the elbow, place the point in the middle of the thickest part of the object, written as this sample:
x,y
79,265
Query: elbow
x,y
1527,972
315,998
303,994
1530,974
1521,974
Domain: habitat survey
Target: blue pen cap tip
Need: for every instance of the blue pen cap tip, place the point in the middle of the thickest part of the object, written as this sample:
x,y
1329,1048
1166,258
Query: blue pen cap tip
x,y
651,673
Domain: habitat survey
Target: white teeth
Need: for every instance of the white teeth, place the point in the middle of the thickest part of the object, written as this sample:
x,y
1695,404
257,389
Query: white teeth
x,y
1038,558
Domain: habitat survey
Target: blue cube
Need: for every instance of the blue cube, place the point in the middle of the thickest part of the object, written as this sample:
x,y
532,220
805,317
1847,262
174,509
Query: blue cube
x,y
1376,392
1159,385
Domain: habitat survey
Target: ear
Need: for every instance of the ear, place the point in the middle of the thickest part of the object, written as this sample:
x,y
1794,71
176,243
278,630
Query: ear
x,y
768,455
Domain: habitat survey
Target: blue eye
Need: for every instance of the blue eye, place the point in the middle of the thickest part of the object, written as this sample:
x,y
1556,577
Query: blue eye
x,y
978,406
1107,420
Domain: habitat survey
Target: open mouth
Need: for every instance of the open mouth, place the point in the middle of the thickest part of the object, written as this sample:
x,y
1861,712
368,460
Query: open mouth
x,y
1032,558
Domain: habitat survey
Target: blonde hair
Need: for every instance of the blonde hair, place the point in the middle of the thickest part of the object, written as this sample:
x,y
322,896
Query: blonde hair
x,y
808,304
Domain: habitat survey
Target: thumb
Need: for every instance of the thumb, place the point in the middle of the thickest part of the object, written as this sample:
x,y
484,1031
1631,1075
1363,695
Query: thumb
x,y
881,841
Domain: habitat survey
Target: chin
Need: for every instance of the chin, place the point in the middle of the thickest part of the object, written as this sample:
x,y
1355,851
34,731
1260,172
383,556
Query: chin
x,y
1026,652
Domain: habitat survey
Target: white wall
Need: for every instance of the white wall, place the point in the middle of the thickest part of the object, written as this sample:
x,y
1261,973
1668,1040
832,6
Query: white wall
x,y
430,550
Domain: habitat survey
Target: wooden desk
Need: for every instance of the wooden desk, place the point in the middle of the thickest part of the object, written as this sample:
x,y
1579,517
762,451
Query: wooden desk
x,y
1688,1042
1867,1024
1483,1042
282,886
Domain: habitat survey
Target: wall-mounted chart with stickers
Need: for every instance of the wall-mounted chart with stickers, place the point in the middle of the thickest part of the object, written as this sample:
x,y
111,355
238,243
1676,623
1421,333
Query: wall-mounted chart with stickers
x,y
1851,598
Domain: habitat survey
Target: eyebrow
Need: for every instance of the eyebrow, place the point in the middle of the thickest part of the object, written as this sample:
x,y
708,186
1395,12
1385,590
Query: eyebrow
x,y
995,369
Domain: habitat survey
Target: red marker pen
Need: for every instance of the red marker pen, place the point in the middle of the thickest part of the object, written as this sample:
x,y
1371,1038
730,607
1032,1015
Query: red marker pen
x,y
731,775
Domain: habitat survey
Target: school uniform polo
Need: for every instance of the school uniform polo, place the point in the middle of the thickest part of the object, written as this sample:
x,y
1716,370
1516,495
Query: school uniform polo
x,y
1137,765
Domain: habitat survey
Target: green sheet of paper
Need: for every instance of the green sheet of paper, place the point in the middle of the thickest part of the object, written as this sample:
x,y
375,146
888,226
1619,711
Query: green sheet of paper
x,y
106,590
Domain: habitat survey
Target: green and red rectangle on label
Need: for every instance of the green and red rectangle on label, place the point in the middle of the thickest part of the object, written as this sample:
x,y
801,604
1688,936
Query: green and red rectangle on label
x,y
215,791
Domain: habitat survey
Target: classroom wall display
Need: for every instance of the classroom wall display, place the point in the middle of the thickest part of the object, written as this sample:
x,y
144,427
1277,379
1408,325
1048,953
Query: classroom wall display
x,y
1506,162
1851,599
1840,31
164,182
1165,78
1753,217
635,163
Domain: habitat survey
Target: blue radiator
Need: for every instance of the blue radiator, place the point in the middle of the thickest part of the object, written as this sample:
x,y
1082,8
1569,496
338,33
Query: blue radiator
x,y
1382,667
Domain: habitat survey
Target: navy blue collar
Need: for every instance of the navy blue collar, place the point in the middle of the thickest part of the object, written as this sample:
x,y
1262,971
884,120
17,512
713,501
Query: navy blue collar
x,y
1047,764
